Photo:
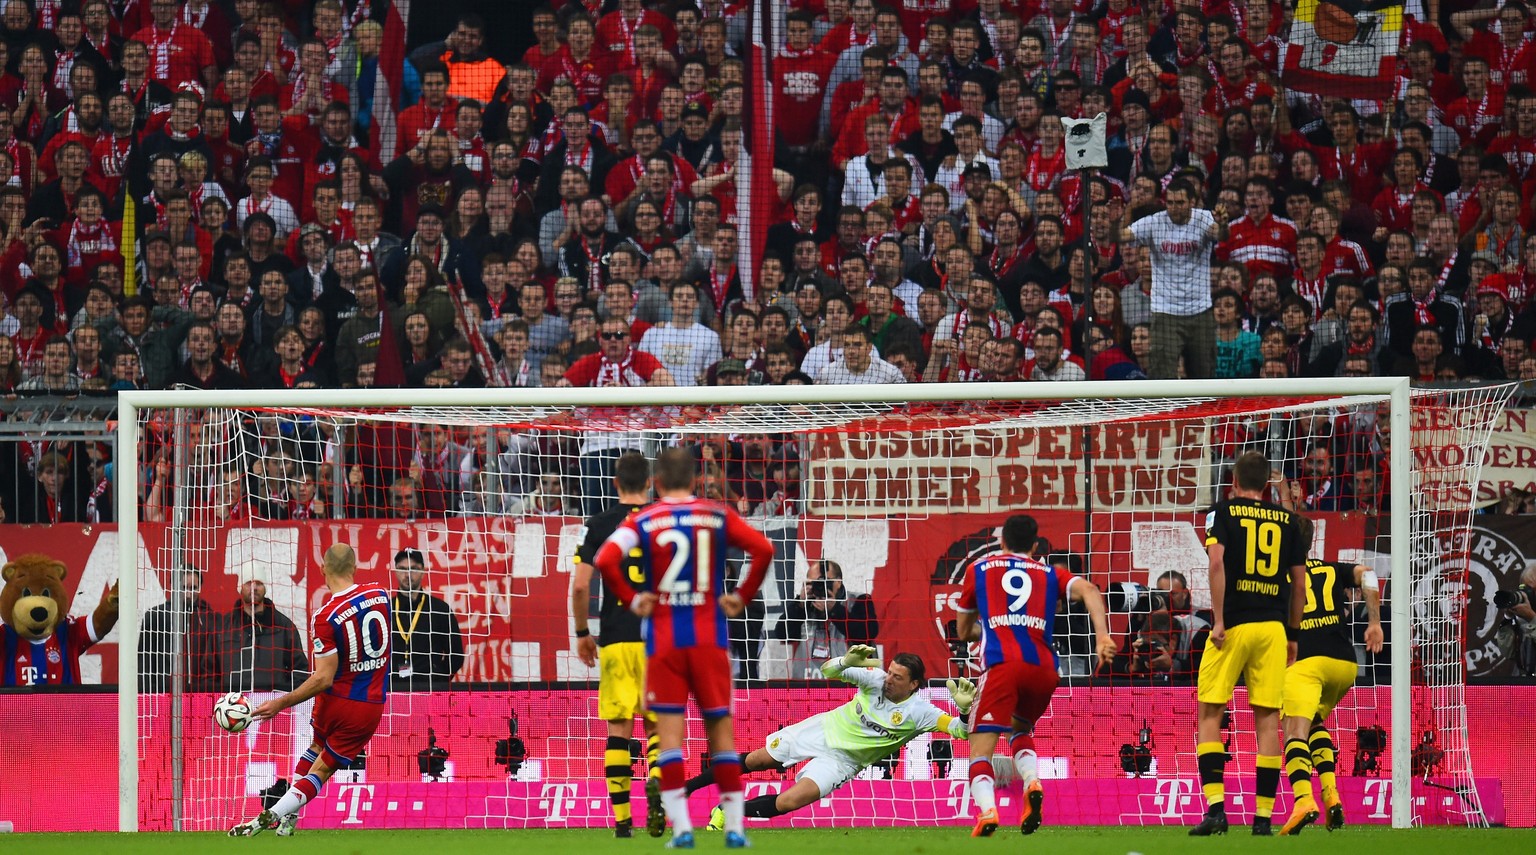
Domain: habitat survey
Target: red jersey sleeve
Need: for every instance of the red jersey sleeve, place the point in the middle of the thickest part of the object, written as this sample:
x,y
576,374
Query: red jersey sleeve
x,y
646,365
967,601
610,559
324,635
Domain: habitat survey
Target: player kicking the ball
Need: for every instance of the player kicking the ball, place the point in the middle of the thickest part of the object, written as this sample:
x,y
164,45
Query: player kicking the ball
x,y
886,714
1009,605
349,681
683,600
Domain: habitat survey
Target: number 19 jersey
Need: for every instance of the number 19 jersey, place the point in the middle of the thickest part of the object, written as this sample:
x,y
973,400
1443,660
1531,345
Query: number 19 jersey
x,y
353,626
1015,596
683,544
1261,542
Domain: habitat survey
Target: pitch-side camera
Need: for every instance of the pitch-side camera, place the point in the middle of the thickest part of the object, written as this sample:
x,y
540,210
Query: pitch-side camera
x,y
432,761
1137,759
1521,595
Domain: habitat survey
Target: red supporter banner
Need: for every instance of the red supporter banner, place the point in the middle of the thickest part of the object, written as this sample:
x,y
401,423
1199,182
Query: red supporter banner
x,y
508,578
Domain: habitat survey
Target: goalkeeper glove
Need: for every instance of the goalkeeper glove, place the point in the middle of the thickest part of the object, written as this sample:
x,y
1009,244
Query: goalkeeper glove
x,y
963,693
861,656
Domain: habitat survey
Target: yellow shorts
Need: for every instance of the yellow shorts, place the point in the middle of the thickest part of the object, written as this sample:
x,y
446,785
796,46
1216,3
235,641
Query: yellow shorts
x,y
621,684
1254,652
1315,685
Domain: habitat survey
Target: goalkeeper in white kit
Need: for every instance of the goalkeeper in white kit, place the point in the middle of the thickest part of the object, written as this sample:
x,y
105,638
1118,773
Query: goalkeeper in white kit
x,y
886,714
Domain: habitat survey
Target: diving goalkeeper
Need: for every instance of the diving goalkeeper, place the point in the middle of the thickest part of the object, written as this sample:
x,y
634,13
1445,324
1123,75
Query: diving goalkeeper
x,y
886,714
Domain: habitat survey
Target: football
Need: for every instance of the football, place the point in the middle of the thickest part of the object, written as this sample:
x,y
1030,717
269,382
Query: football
x,y
232,712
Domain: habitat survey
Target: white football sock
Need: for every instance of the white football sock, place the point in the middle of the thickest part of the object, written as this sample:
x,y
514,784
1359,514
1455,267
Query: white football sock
x,y
982,794
734,807
289,803
676,804
1026,762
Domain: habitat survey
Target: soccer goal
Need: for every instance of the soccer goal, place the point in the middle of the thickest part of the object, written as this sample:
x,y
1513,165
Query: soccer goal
x,y
469,505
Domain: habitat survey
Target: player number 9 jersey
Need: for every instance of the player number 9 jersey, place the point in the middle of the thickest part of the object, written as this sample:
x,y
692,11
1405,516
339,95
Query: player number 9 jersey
x,y
1015,596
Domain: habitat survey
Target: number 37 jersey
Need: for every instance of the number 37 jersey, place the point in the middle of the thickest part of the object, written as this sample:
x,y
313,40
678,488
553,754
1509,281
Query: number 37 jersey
x,y
682,545
1015,597
353,626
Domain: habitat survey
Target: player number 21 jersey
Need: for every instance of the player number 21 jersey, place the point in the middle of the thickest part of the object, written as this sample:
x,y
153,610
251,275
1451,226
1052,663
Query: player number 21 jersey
x,y
353,626
683,545
1015,596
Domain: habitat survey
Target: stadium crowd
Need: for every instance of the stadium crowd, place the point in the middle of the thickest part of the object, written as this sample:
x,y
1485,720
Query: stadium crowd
x,y
202,194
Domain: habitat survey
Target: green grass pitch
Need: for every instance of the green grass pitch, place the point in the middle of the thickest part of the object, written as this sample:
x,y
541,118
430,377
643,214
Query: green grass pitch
x,y
1355,840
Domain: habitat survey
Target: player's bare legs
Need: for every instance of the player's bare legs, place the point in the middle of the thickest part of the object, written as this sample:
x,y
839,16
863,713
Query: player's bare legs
x,y
1309,746
1212,756
1298,767
758,761
655,816
670,728
1026,763
983,782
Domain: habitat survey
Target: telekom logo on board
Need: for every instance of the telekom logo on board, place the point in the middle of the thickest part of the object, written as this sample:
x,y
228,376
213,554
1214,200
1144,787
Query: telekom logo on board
x,y
1173,796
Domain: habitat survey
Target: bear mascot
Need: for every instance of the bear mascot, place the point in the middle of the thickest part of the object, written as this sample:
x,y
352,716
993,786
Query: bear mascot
x,y
41,644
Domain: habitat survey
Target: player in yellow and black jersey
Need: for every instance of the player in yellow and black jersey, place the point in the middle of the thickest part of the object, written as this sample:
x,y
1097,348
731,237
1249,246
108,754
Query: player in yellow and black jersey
x,y
621,677
1324,671
1256,556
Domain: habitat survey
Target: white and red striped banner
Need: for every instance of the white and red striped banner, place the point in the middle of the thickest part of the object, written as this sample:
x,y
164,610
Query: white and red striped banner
x,y
395,15
756,186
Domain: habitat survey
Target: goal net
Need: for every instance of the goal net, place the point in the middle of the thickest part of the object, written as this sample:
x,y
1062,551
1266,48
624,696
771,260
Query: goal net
x,y
469,506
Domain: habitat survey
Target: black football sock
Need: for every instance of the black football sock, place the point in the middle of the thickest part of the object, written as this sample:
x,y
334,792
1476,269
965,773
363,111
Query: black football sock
x,y
700,781
764,807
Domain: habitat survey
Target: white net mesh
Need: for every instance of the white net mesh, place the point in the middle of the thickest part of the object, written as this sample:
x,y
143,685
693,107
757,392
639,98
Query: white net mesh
x,y
494,721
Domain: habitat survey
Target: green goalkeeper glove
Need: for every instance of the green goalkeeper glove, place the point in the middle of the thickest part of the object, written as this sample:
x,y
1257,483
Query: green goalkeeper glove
x,y
963,693
861,656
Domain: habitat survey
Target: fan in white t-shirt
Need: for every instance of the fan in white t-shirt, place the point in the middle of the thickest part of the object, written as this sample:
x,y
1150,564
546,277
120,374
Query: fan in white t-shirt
x,y
686,347
1179,241
859,364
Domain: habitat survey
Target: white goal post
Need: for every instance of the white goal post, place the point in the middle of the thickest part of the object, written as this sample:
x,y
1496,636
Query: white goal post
x,y
1395,391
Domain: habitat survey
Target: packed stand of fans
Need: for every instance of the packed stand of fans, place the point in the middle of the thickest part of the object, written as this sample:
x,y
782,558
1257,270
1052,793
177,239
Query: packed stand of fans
x,y
572,217
201,195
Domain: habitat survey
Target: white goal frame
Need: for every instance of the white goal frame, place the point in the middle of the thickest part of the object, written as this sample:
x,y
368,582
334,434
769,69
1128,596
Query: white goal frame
x,y
130,403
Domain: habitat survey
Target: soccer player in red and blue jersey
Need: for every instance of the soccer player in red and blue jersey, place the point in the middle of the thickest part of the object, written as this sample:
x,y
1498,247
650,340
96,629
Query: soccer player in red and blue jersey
x,y
1009,605
682,541
349,681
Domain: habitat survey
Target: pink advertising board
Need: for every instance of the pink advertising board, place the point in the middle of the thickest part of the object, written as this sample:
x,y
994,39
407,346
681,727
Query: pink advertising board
x,y
561,785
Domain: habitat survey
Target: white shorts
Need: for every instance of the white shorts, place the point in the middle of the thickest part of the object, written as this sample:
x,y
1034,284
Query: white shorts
x,y
806,742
